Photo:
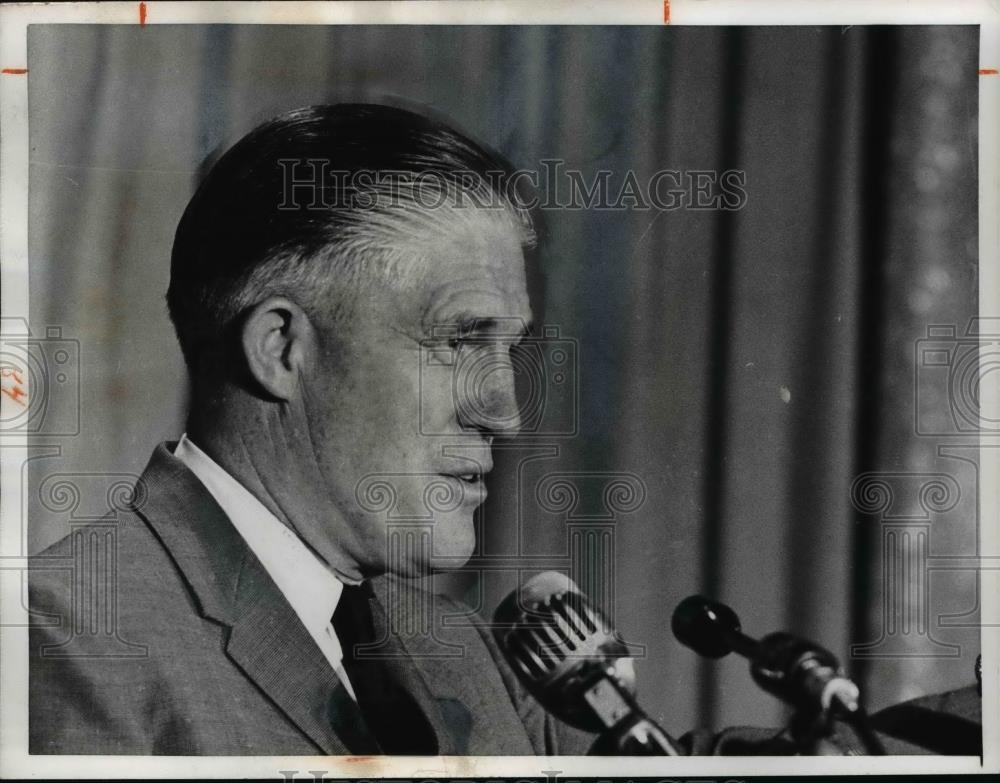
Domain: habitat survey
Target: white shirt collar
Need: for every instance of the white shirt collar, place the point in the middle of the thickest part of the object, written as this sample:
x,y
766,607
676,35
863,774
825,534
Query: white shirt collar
x,y
311,588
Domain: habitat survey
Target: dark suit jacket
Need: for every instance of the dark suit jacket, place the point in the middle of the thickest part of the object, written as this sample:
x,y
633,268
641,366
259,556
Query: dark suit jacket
x,y
161,633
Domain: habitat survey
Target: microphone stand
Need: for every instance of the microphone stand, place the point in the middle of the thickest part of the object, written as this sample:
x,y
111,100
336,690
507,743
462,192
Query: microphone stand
x,y
809,677
810,729
628,730
811,726
819,693
857,718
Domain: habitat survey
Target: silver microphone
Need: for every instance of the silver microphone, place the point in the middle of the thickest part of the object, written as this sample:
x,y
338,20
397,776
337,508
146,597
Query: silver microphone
x,y
570,659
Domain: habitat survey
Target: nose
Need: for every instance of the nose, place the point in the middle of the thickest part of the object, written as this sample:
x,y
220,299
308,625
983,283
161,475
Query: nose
x,y
485,393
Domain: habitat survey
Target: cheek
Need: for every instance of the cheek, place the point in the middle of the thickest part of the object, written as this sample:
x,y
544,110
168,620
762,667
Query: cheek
x,y
381,387
438,389
373,424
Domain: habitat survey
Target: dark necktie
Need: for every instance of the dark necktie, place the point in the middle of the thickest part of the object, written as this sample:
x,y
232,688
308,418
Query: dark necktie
x,y
391,714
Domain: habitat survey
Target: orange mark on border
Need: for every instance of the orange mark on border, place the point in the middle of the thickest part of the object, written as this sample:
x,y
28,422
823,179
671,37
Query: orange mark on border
x,y
13,384
15,71
142,14
666,11
988,72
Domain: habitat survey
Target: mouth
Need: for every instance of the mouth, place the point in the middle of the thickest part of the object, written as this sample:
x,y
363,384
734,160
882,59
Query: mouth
x,y
471,487
473,479
470,478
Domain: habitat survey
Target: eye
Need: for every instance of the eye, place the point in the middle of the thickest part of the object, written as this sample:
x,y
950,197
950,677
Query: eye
x,y
466,340
474,342
465,346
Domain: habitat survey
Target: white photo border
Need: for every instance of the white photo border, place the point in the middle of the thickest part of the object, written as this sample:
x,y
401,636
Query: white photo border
x,y
14,20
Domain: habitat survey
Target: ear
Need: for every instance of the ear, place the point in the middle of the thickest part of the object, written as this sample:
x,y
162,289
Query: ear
x,y
277,338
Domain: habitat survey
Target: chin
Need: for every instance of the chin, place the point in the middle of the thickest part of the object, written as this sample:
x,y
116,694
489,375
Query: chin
x,y
417,549
408,537
454,542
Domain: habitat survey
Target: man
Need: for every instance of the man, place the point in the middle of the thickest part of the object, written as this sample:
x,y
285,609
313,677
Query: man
x,y
255,597
322,259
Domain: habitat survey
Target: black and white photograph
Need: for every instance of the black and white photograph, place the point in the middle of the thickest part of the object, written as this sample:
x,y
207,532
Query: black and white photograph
x,y
405,382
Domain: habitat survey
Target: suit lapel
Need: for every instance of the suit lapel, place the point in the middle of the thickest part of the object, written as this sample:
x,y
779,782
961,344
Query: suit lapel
x,y
454,680
272,647
448,670
267,640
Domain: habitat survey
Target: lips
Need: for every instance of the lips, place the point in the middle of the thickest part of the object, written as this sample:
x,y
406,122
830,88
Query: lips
x,y
473,478
470,487
471,482
469,471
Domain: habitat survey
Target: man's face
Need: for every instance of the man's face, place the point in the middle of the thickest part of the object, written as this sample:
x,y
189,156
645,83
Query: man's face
x,y
405,401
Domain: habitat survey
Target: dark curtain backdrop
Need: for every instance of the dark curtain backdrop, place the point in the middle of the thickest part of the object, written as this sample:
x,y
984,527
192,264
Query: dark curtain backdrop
x,y
738,370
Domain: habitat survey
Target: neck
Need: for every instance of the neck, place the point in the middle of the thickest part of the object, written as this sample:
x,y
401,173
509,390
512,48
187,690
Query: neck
x,y
240,460
243,435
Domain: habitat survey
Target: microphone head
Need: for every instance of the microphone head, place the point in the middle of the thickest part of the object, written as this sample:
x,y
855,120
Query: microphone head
x,y
537,590
705,626
558,643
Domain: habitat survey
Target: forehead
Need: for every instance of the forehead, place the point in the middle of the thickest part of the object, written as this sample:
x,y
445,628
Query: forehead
x,y
476,271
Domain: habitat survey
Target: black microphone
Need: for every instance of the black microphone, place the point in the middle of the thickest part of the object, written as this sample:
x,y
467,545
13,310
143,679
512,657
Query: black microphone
x,y
567,656
795,670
